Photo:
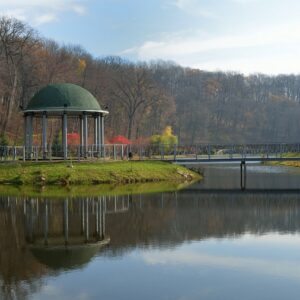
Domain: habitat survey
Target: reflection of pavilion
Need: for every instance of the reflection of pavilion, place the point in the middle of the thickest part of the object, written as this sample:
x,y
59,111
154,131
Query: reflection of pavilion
x,y
66,233
69,222
33,241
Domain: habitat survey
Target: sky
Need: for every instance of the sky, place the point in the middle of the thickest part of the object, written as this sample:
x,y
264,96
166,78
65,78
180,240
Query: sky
x,y
248,36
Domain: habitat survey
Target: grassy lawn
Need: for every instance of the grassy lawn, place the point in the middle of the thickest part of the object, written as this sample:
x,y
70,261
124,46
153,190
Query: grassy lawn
x,y
63,173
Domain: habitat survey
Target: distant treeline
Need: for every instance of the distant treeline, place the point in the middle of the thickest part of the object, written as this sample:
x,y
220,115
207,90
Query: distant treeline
x,y
143,98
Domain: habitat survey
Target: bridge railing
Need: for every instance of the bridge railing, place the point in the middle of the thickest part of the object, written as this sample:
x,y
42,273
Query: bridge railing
x,y
155,152
243,150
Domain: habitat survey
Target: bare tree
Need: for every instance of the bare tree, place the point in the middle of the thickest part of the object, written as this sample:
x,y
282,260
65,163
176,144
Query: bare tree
x,y
134,90
15,36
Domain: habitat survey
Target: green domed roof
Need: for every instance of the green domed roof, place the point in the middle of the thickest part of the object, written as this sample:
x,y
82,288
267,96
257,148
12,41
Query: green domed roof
x,y
63,96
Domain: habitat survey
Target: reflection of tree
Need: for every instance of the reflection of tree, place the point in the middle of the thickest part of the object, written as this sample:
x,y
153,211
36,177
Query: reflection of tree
x,y
160,220
19,271
153,220
23,223
146,223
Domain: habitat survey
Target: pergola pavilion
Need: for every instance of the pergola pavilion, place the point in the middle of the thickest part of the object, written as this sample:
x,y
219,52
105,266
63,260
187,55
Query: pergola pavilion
x,y
66,101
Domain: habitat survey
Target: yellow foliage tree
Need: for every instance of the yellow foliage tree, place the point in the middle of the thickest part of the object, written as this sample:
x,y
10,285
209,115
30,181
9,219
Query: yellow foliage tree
x,y
81,66
168,131
167,138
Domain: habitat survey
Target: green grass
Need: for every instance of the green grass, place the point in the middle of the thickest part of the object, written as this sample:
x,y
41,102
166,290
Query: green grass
x,y
288,163
87,173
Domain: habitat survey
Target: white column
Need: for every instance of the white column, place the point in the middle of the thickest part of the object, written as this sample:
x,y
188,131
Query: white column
x,y
29,126
99,135
102,129
25,132
85,134
44,135
95,132
65,135
81,130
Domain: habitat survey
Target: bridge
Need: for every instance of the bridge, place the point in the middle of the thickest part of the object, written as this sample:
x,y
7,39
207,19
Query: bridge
x,y
238,154
177,153
181,154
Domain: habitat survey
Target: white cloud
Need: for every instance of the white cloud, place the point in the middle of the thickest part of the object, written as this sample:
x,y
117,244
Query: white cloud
x,y
193,7
46,18
79,9
246,1
15,13
195,49
51,291
282,268
40,11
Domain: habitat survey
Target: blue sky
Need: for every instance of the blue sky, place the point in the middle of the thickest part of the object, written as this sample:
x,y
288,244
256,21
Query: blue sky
x,y
248,36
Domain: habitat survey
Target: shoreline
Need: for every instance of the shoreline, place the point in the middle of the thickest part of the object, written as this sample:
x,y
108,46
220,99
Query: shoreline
x,y
74,191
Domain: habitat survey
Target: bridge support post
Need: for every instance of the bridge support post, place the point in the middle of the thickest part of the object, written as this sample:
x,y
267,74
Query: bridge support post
x,y
243,174
231,151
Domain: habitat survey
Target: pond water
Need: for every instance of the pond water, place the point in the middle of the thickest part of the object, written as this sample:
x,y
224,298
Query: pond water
x,y
207,241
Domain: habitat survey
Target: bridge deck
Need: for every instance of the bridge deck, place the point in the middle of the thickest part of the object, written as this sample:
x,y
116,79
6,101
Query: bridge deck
x,y
233,159
201,153
239,191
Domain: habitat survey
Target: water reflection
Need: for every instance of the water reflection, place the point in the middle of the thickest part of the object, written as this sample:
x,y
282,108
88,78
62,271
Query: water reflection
x,y
170,219
44,237
41,236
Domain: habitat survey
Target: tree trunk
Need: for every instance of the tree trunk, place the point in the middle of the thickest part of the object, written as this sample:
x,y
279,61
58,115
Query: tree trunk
x,y
11,100
130,124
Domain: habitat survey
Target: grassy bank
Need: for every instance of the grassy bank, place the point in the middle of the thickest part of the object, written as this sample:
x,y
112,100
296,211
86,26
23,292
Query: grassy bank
x,y
88,173
287,163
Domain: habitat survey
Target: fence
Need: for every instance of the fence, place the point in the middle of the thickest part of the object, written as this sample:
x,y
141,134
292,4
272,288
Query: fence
x,y
141,152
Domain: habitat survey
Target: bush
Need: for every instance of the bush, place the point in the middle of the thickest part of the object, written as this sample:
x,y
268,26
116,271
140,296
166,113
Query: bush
x,y
167,139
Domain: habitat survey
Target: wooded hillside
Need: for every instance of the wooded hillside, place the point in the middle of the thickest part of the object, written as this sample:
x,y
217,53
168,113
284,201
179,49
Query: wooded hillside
x,y
143,98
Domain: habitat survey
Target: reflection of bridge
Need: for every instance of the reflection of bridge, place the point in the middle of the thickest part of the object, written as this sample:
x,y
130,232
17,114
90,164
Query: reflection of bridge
x,y
152,221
